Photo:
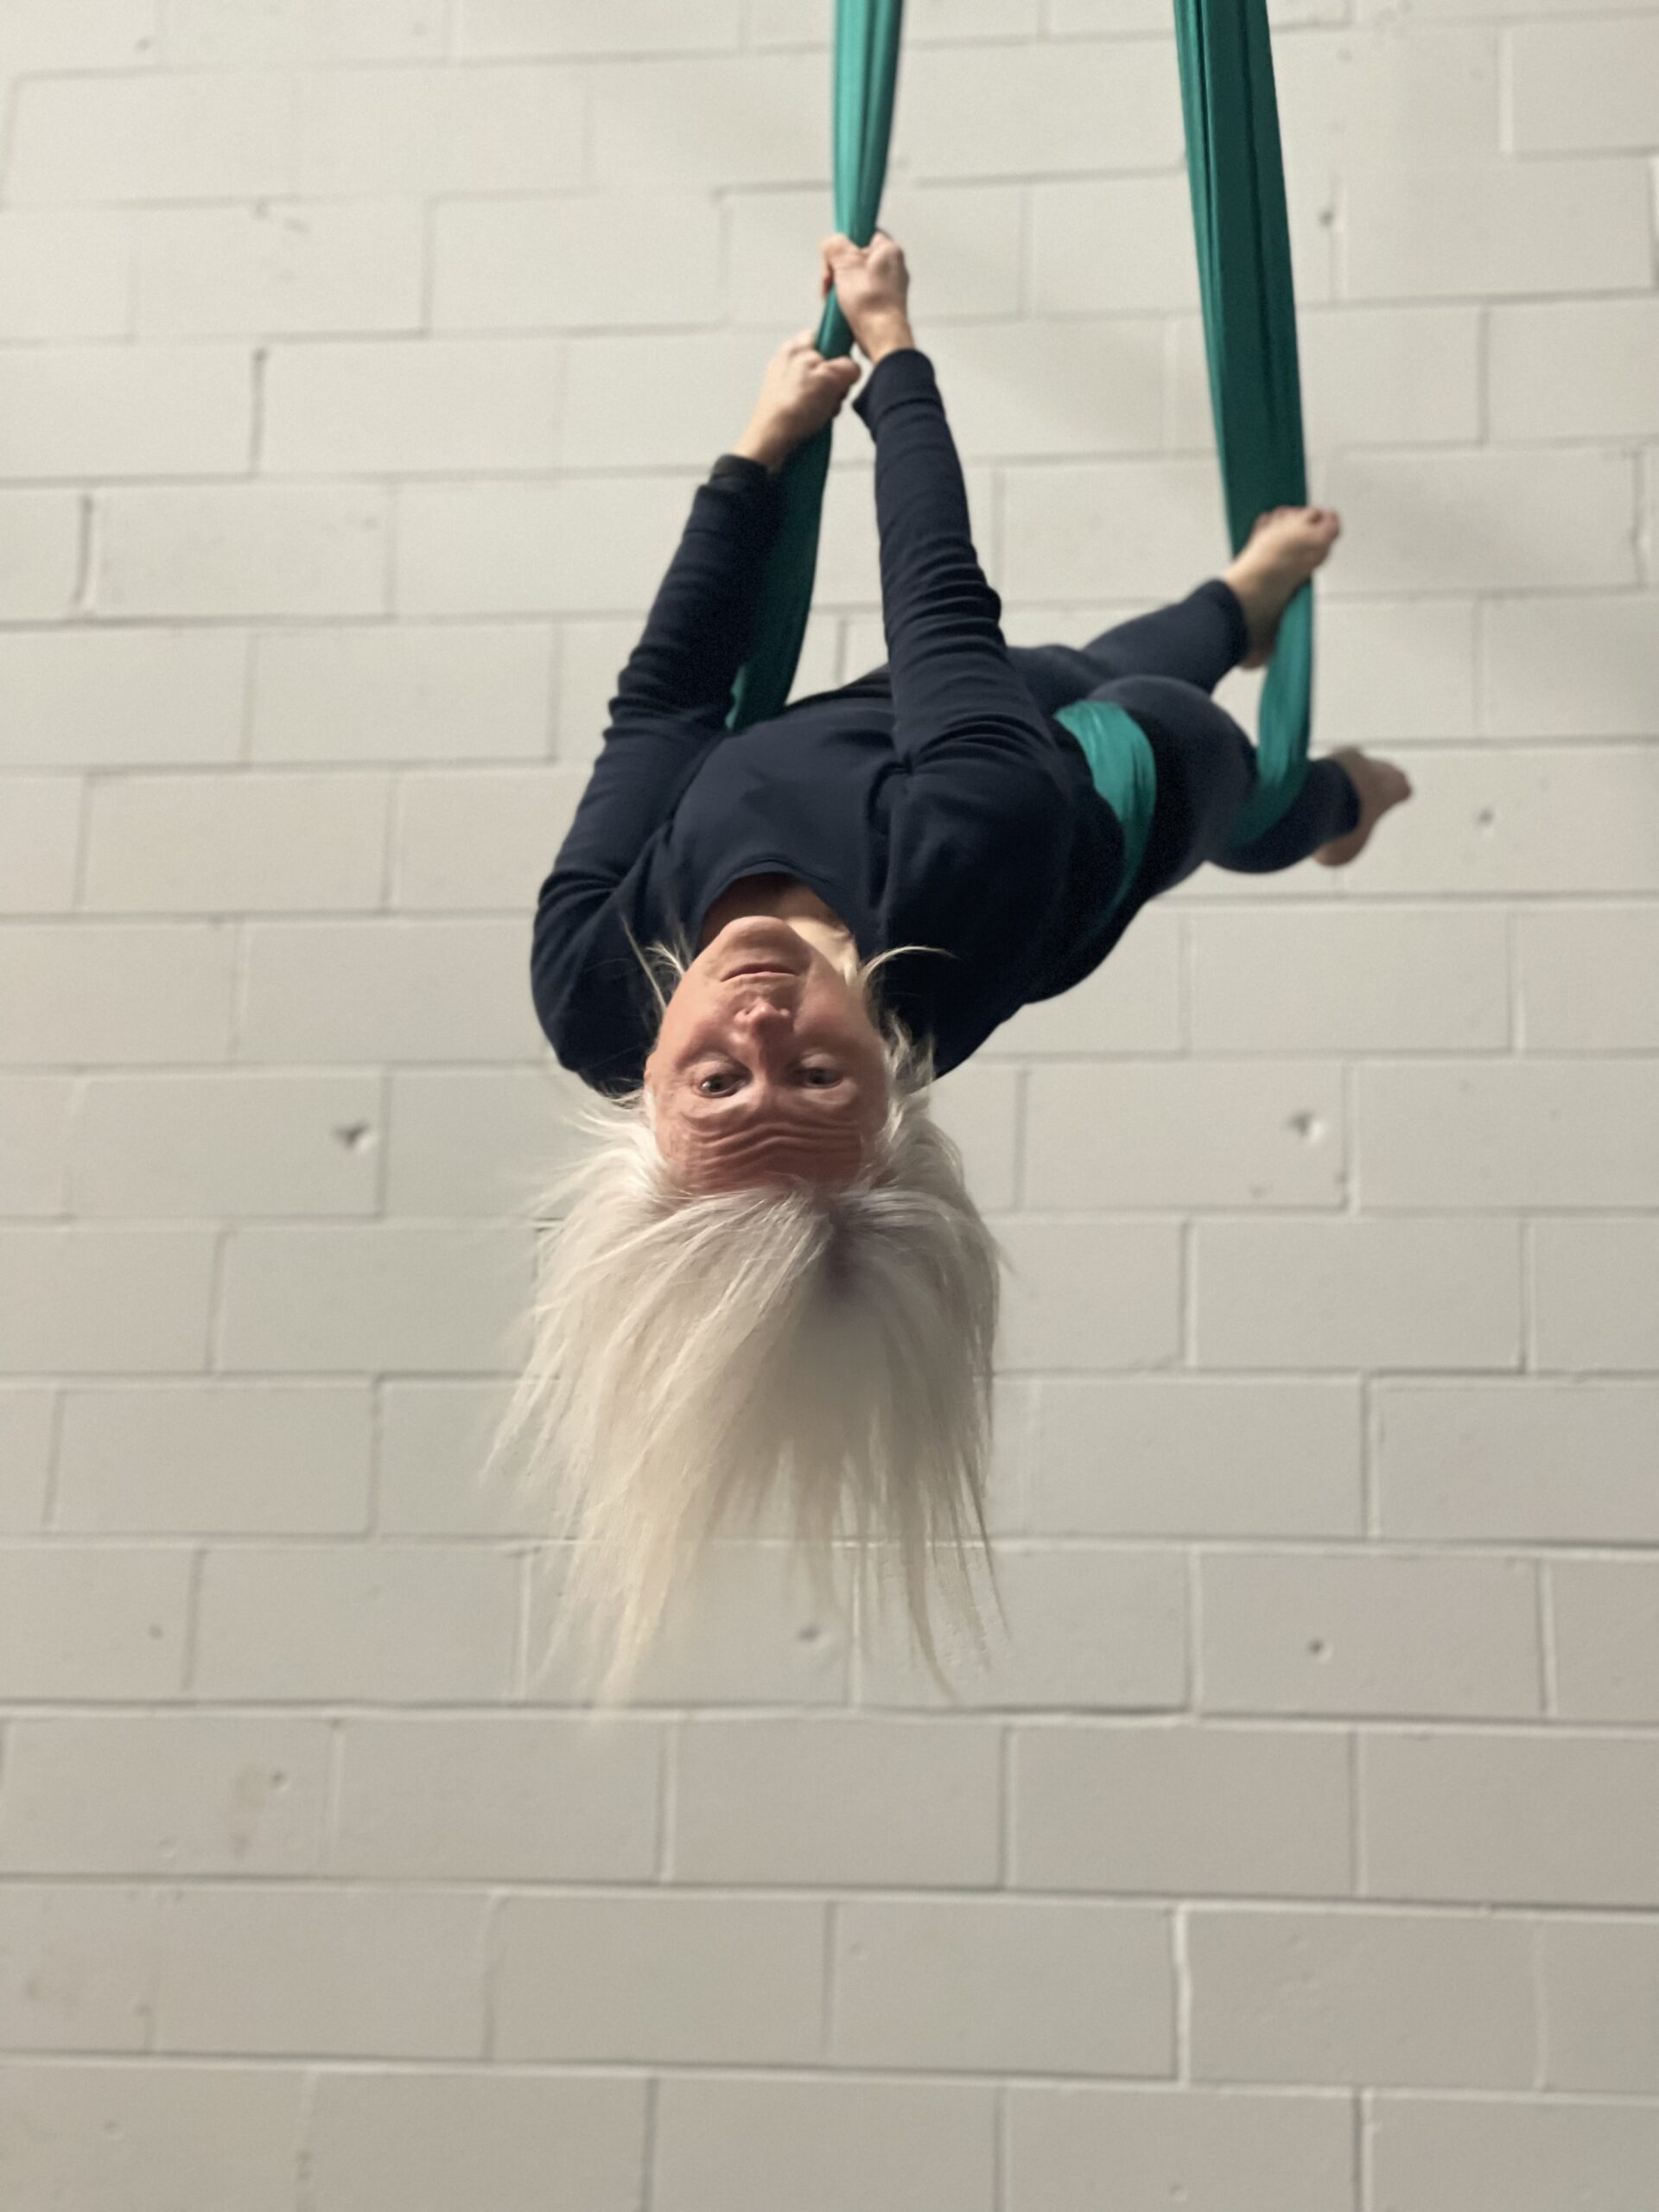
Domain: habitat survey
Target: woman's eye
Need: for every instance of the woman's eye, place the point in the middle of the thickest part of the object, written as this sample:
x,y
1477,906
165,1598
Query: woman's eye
x,y
722,1083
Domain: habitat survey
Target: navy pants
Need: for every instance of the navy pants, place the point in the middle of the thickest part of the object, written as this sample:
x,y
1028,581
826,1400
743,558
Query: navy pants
x,y
1161,668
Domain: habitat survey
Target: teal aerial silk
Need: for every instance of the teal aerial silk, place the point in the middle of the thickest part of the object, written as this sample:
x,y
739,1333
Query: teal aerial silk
x,y
1235,167
1124,772
866,77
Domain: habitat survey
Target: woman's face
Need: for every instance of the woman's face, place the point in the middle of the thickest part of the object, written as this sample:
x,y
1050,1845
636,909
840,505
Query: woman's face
x,y
760,1077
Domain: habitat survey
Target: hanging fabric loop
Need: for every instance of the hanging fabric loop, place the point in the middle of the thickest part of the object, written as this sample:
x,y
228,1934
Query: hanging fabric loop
x,y
1236,171
867,76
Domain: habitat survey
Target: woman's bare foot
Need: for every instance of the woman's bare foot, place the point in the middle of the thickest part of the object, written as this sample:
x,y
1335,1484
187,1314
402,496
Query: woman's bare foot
x,y
1286,546
1380,786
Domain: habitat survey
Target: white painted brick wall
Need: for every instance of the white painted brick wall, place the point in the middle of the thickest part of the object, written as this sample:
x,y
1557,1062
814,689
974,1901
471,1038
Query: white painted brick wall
x,y
1297,1854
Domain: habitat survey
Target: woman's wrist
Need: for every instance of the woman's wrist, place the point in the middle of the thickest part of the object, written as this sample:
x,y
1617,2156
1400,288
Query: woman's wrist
x,y
761,441
890,334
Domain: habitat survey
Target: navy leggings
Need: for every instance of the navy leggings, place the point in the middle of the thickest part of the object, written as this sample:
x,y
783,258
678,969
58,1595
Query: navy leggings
x,y
1161,668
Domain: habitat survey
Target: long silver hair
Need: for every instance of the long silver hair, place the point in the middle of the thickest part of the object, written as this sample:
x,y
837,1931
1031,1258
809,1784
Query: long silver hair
x,y
700,1362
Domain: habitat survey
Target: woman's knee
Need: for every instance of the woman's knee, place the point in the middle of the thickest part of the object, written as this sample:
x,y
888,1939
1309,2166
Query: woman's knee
x,y
1210,751
1205,768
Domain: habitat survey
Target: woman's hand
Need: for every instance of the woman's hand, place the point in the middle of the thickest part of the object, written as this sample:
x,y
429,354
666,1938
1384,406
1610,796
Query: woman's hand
x,y
800,393
872,285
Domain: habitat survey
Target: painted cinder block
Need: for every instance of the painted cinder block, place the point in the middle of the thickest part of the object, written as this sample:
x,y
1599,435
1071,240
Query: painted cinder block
x,y
103,139
142,1795
1400,1999
1595,1295
243,548
252,1970
1604,1615
1515,1816
1415,1291
1589,977
366,1609
277,268
198,35
1510,2154
369,133
39,844
1576,369
27,1417
65,273
245,842
726,2145
1585,87
42,538
140,2138
1173,1456
1539,1133
109,411
1399,978
1298,1632
538,264
886,1803
258,1144
115,698
78,1965
1543,1461
523,2142
1186,1134
81,1298
82,1621
721,1980
1097,1296
481,841
992,1985
397,989
497,1796
410,407
408,692
1595,1984
1463,228
1213,2150
229,1458
1177,1809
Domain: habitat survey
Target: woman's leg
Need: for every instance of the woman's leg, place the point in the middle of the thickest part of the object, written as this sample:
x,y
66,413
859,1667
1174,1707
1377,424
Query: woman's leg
x,y
1206,770
1233,618
1197,641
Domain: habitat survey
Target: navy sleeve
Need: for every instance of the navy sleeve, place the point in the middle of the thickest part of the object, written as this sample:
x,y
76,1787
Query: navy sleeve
x,y
980,796
671,701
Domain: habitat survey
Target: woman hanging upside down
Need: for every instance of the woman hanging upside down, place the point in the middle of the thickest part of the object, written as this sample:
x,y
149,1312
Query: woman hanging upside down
x,y
768,1284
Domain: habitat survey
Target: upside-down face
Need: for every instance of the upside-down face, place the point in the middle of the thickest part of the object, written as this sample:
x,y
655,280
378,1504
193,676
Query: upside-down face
x,y
767,1065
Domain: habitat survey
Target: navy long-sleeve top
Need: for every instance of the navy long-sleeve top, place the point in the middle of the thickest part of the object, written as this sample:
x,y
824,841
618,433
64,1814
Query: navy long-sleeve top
x,y
934,806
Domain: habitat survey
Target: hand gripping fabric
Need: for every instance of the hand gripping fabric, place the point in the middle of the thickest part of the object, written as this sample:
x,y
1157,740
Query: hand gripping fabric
x,y
867,75
1235,169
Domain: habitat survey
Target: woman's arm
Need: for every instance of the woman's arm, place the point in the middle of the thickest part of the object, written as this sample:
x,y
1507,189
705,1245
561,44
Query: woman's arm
x,y
698,631
675,692
980,832
951,676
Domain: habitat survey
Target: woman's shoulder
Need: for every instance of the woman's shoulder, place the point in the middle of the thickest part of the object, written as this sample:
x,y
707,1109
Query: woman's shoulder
x,y
591,974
